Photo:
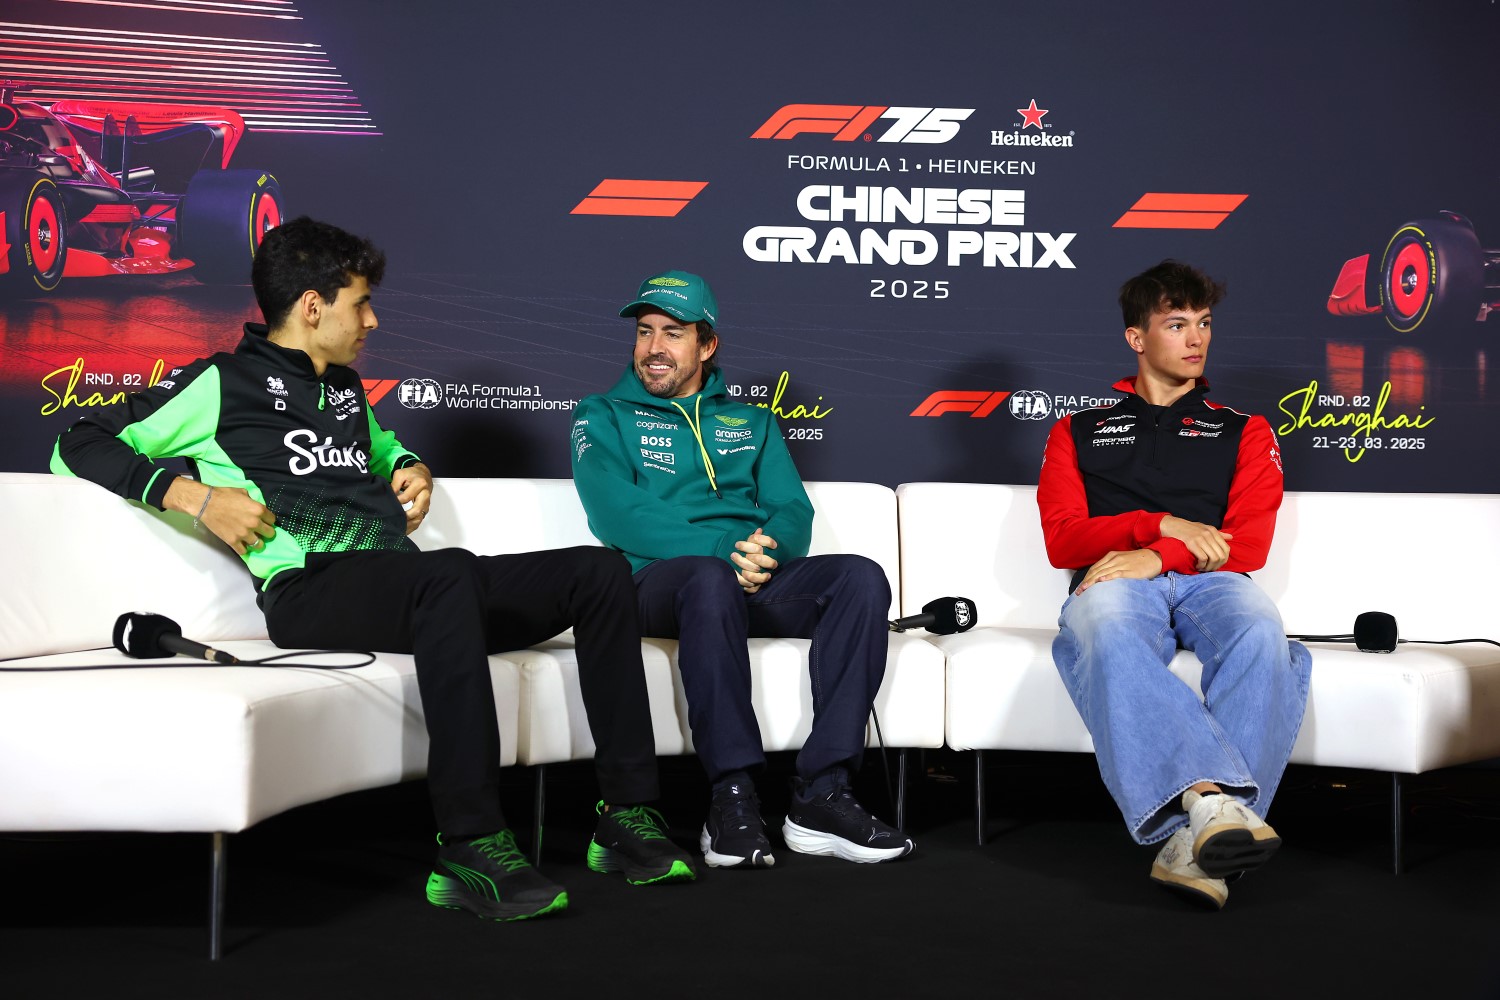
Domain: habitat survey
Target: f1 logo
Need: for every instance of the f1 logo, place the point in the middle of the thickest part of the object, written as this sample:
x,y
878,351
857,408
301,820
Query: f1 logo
x,y
848,122
975,404
377,388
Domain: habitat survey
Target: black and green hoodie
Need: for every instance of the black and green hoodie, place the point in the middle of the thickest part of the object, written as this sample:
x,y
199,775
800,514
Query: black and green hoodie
x,y
260,419
677,477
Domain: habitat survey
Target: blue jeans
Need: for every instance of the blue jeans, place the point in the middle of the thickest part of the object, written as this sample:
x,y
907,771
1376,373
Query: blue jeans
x,y
1152,736
838,601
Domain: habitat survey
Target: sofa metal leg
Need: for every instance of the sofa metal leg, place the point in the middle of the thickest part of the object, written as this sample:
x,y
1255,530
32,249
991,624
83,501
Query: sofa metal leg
x,y
901,790
1396,812
539,809
216,897
979,796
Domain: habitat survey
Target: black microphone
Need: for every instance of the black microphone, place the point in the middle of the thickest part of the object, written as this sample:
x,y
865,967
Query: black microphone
x,y
943,616
146,636
1375,632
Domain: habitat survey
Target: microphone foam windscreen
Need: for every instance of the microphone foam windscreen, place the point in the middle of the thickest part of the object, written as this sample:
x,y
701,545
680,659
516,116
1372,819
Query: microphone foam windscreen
x,y
139,635
950,614
1375,632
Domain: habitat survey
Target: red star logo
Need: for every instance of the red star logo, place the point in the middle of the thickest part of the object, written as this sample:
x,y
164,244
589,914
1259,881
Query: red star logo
x,y
1032,115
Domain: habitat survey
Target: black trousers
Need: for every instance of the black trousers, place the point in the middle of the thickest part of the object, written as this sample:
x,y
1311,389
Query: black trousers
x,y
451,608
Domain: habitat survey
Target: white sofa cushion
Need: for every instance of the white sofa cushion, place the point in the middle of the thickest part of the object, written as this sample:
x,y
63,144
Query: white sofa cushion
x,y
1419,708
81,557
191,748
208,748
527,514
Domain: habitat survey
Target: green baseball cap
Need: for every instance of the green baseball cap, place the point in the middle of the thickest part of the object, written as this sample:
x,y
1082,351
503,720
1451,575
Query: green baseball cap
x,y
677,293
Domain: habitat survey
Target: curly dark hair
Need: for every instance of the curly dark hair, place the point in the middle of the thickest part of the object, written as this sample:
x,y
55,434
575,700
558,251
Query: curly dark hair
x,y
305,253
1169,285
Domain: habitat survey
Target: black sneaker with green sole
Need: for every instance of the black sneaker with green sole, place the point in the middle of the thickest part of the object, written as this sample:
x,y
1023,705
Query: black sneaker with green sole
x,y
491,878
631,840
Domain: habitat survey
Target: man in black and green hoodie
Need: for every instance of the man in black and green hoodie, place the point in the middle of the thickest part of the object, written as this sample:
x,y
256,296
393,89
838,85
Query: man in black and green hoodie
x,y
293,472
701,495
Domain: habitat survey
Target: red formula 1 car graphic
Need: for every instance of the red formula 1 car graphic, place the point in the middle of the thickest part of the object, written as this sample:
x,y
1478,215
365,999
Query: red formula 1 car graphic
x,y
1433,272
91,188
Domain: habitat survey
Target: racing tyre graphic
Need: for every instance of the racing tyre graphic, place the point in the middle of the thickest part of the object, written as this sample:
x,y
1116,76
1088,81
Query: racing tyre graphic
x,y
35,234
223,217
1432,274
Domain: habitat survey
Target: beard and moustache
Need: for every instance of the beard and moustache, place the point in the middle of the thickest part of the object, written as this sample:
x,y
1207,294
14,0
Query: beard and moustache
x,y
663,386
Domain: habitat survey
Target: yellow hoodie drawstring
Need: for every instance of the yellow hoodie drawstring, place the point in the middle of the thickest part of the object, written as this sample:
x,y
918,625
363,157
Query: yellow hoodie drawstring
x,y
696,425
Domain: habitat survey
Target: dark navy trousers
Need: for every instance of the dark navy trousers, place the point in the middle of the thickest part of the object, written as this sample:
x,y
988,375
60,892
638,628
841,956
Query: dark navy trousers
x,y
840,602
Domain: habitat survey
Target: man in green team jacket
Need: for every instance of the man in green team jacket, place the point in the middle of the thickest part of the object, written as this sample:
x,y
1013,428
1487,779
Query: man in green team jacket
x,y
294,473
701,495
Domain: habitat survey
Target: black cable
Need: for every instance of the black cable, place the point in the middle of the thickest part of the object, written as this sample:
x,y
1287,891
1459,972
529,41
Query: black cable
x,y
266,661
890,792
1449,642
1350,638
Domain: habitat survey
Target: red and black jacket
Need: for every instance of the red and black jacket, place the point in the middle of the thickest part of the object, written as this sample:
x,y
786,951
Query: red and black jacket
x,y
1111,474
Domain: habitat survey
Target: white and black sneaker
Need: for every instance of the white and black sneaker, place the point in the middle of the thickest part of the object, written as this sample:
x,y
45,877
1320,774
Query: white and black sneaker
x,y
825,818
1227,837
735,835
1175,868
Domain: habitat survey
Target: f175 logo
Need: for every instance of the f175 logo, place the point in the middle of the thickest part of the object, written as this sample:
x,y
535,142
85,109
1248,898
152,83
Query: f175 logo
x,y
848,122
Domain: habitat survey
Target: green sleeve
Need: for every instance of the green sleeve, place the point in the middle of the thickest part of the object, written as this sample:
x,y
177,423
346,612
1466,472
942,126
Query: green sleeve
x,y
621,514
386,453
116,446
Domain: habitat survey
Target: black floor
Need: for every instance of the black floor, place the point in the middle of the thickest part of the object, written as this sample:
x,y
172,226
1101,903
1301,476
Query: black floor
x,y
327,901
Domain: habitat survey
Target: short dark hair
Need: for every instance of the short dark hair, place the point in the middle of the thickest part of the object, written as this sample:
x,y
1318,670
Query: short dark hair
x,y
705,335
1169,285
306,253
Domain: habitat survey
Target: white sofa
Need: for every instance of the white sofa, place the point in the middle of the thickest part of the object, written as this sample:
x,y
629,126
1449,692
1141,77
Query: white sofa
x,y
215,749
1419,557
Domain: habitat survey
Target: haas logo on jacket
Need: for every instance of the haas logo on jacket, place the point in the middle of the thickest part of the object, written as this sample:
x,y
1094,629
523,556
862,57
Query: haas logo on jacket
x,y
308,457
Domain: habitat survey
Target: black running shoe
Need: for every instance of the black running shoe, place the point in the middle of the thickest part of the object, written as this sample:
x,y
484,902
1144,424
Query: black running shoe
x,y
632,841
833,822
735,835
490,877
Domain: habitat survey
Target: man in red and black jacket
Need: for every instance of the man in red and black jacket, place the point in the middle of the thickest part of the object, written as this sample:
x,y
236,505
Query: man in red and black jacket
x,y
1161,504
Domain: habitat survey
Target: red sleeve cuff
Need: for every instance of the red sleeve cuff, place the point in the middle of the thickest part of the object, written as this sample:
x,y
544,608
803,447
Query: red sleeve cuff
x,y
1175,557
1147,528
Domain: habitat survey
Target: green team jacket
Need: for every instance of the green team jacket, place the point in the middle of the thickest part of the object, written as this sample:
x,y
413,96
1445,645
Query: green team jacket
x,y
685,477
260,419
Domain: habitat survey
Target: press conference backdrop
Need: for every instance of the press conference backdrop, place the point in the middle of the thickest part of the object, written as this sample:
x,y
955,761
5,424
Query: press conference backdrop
x,y
916,216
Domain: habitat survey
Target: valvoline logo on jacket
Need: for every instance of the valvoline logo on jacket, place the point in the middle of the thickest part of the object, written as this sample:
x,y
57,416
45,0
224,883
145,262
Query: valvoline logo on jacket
x,y
668,477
